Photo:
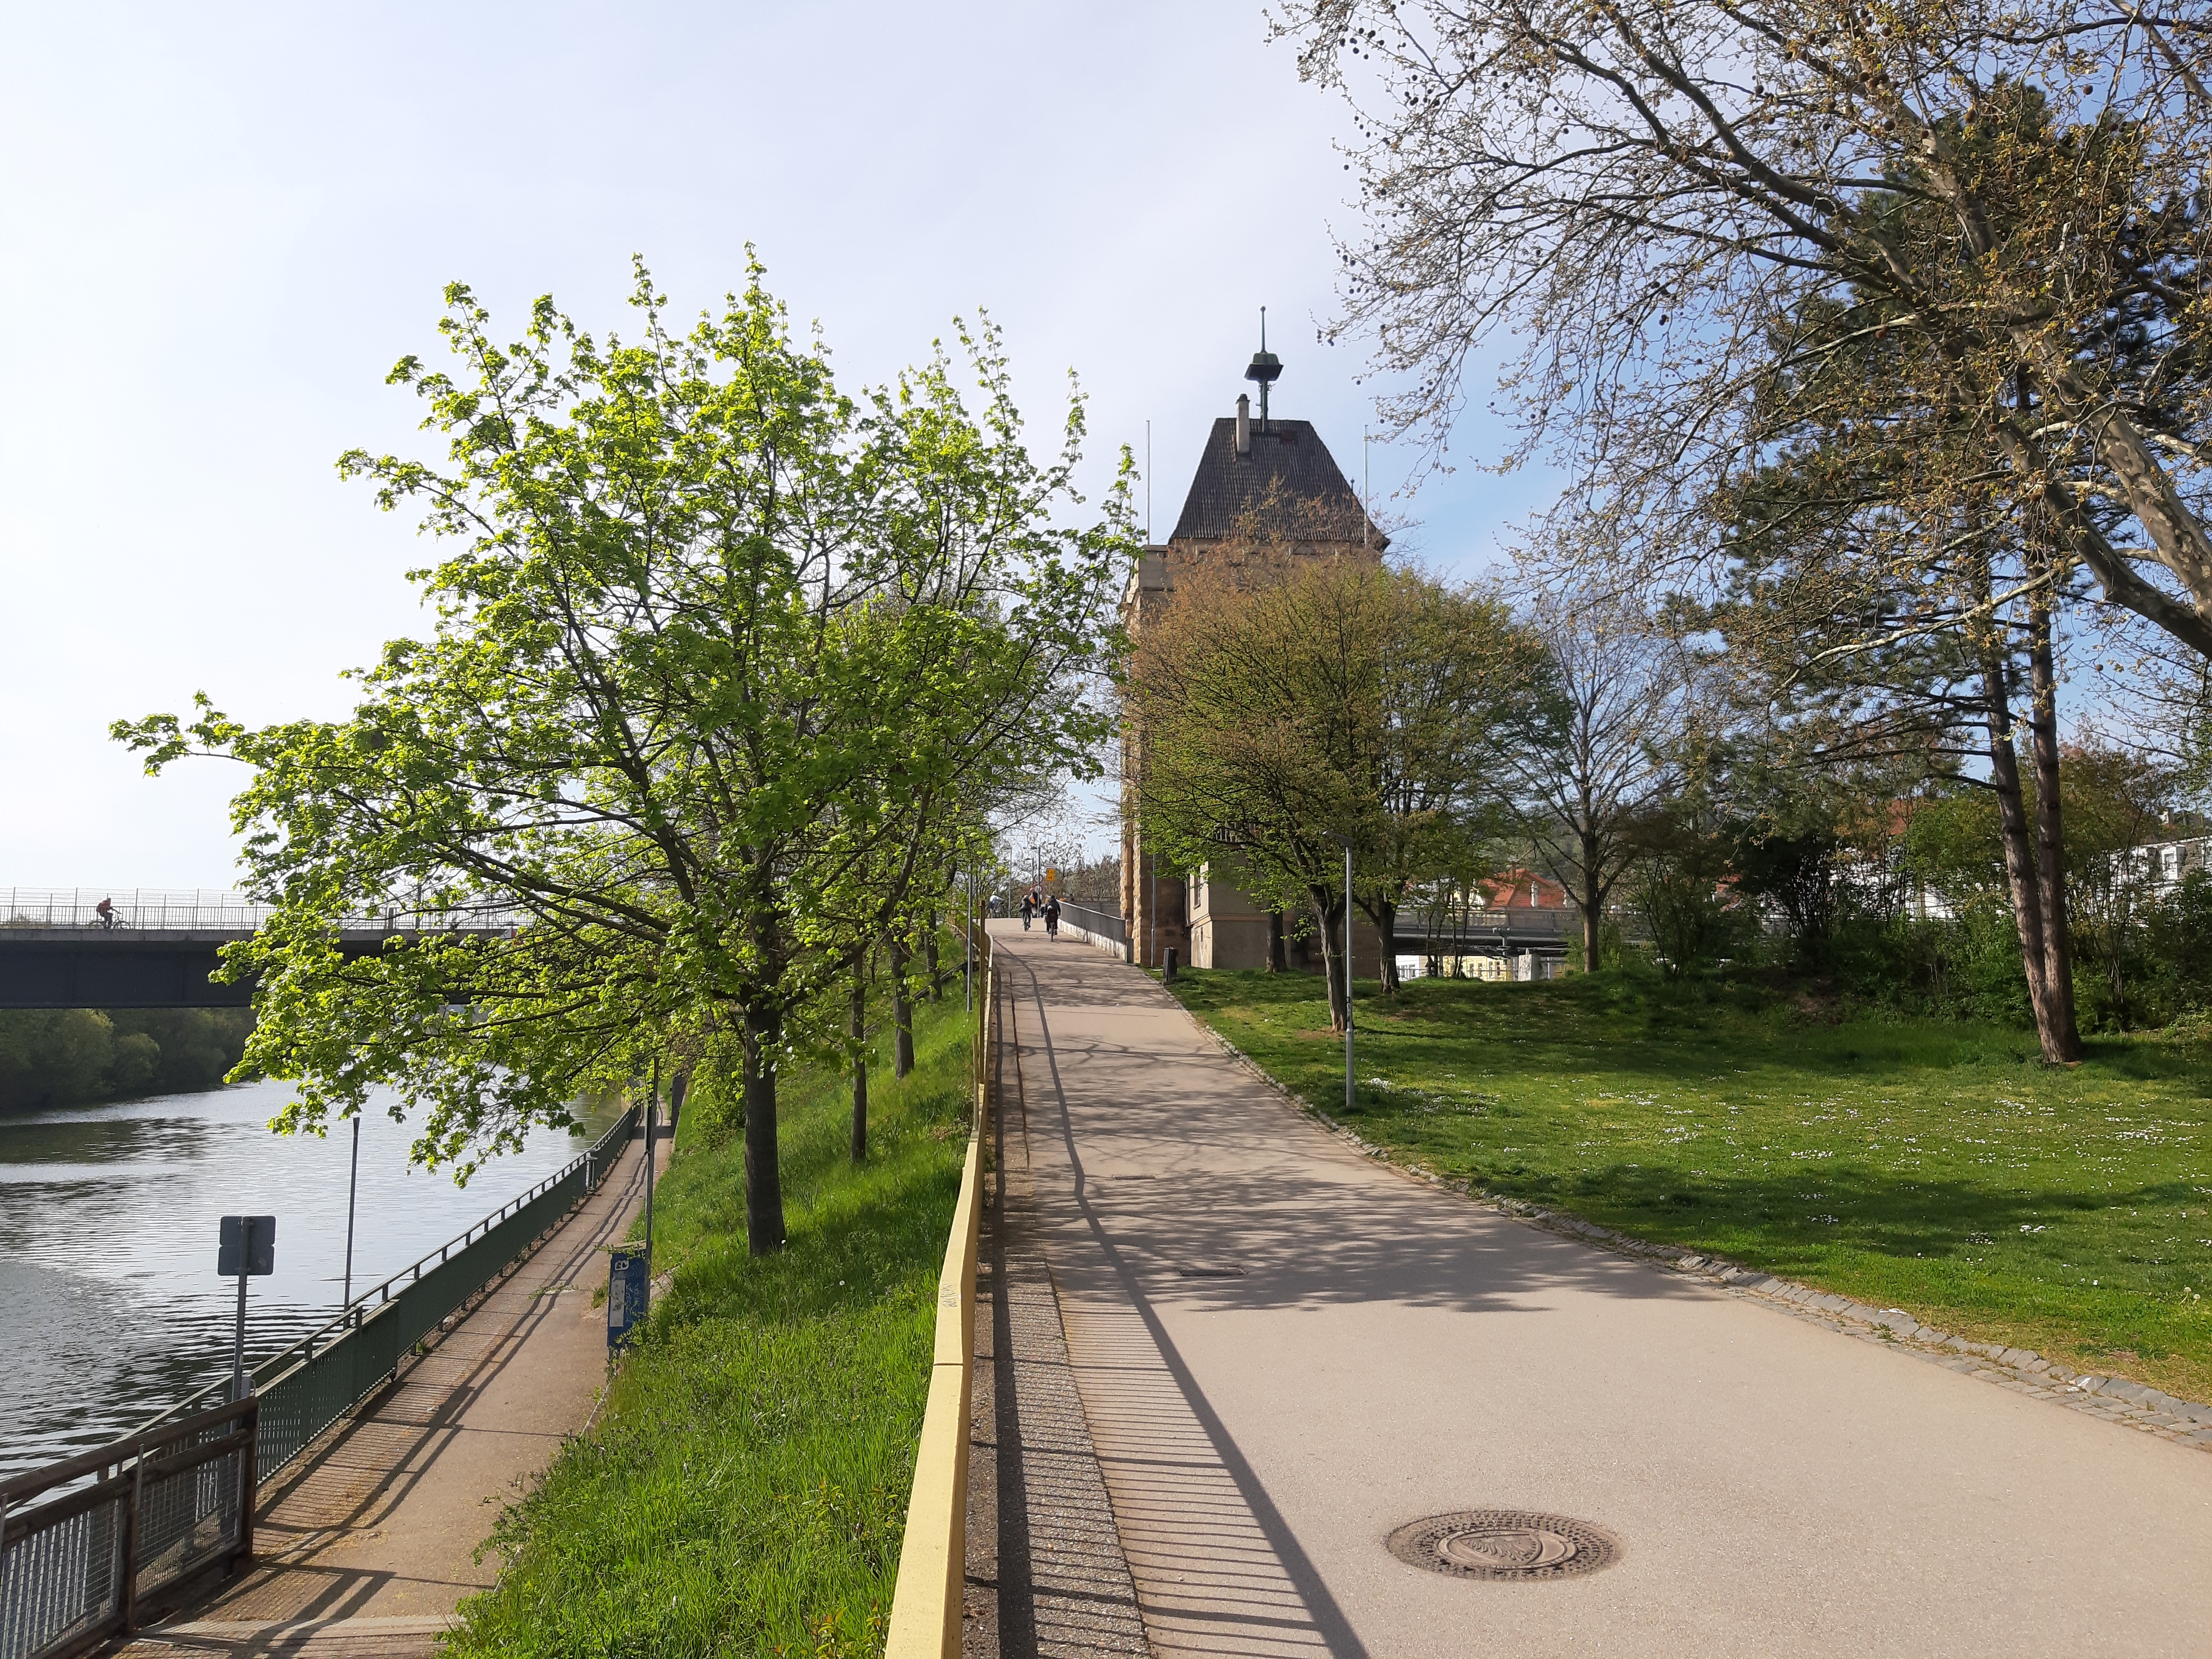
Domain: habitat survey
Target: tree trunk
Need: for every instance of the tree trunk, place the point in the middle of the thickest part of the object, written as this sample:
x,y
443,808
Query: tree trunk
x,y
764,1034
2055,1022
1591,902
1384,915
929,957
2012,822
860,1034
1278,952
901,1008
1328,908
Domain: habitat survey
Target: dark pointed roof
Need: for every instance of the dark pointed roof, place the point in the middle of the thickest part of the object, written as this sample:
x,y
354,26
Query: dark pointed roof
x,y
1288,484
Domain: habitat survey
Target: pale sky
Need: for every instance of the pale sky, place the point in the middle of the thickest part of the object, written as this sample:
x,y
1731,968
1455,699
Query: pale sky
x,y
224,223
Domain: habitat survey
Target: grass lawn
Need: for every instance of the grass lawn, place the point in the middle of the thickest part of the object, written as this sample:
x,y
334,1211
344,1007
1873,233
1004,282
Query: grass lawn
x,y
1935,1167
743,1490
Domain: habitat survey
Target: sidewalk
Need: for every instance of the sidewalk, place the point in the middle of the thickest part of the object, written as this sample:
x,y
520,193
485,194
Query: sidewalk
x,y
1285,1351
366,1545
1047,1578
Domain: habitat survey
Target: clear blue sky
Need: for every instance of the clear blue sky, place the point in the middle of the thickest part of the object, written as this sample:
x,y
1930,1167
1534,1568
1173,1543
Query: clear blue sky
x,y
224,223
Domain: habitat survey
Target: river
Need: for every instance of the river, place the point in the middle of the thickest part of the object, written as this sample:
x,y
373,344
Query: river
x,y
110,1307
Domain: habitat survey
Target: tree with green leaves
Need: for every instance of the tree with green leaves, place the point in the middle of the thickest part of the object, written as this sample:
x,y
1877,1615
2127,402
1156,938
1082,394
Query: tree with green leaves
x,y
722,659
1289,703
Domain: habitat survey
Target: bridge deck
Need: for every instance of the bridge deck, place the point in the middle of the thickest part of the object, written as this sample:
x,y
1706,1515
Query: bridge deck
x,y
141,968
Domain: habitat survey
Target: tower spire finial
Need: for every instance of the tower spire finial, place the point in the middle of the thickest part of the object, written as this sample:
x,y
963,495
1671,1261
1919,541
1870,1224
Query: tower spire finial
x,y
1264,367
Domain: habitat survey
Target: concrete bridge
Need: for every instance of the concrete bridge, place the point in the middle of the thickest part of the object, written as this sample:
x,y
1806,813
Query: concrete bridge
x,y
156,948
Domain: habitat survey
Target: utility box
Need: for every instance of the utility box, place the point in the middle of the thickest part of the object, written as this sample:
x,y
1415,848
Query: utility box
x,y
627,1269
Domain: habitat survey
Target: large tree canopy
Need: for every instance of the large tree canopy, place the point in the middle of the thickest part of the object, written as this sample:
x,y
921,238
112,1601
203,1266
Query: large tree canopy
x,y
726,664
1667,214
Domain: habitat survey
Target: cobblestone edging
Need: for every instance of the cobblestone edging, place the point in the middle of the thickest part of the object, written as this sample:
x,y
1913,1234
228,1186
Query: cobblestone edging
x,y
2112,1398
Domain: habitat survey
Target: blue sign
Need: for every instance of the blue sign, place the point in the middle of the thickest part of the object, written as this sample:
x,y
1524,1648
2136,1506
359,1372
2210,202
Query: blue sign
x,y
626,1293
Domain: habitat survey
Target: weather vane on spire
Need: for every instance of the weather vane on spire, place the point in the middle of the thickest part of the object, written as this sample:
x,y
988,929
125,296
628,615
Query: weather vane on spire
x,y
1266,368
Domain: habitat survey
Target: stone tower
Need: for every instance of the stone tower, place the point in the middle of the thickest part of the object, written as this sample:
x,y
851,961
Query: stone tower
x,y
1259,482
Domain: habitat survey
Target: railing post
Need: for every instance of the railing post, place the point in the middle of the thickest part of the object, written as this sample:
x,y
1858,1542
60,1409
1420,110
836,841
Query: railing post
x,y
126,1592
249,1468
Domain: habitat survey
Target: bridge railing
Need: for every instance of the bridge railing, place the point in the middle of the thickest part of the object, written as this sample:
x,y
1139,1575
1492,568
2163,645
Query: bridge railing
x,y
119,1522
149,909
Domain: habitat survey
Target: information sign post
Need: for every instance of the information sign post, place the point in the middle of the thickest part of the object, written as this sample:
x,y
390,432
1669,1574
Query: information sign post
x,y
247,1249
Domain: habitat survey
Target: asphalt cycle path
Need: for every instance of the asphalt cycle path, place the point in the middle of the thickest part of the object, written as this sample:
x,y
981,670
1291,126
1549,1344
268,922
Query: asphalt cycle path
x,y
1287,1351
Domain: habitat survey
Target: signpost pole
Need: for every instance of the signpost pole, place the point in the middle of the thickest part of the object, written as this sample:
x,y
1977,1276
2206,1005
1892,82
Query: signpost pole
x,y
245,1246
238,1346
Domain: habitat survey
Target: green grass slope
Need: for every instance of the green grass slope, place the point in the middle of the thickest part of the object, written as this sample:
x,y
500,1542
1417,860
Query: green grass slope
x,y
744,1489
1933,1166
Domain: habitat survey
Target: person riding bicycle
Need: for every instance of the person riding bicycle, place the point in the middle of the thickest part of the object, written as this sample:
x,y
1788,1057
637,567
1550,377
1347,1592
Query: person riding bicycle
x,y
1052,918
105,911
1028,907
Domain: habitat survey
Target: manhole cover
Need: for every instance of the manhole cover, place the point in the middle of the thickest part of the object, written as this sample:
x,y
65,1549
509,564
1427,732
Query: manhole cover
x,y
1506,1544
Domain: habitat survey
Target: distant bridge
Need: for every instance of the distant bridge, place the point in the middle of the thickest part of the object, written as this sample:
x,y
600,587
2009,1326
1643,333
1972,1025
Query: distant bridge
x,y
1497,933
156,948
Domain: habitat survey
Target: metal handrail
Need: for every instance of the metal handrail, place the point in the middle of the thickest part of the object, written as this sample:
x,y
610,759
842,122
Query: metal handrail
x,y
162,1508
1103,923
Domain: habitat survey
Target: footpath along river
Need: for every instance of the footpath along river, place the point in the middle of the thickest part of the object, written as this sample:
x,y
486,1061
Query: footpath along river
x,y
110,1307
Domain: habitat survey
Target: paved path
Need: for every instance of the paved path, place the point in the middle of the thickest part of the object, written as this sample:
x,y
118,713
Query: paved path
x,y
1047,1578
1388,1351
367,1547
